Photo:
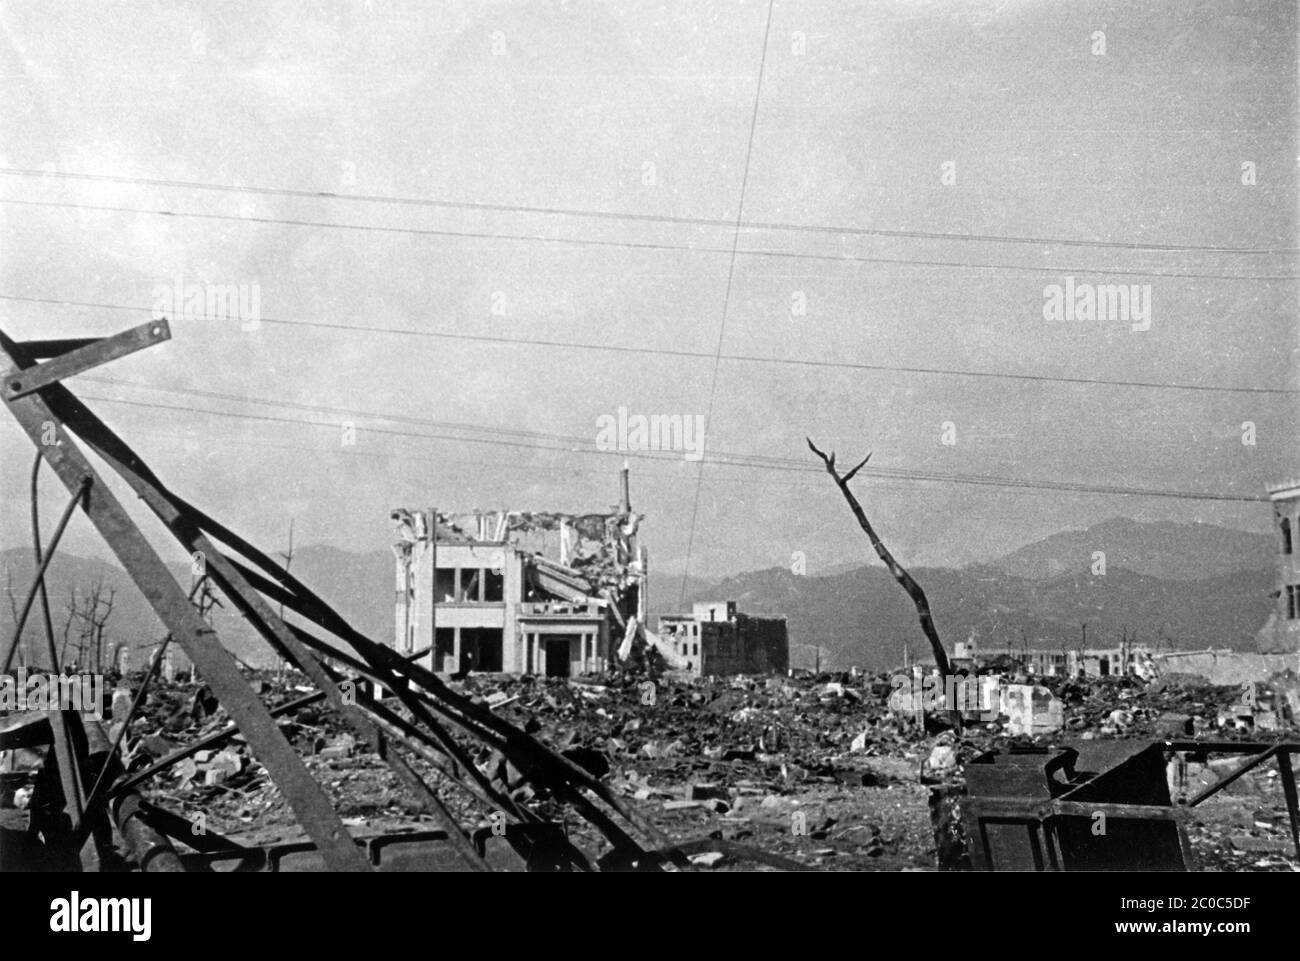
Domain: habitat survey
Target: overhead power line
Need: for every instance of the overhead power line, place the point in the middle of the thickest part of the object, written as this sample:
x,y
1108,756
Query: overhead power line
x,y
726,300
388,199
568,442
404,453
723,458
698,354
645,245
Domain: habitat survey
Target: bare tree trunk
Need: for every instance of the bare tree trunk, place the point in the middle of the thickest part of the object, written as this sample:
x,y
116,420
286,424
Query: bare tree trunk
x,y
905,579
67,626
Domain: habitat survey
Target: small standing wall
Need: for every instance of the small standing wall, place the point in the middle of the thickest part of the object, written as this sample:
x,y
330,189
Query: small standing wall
x,y
746,645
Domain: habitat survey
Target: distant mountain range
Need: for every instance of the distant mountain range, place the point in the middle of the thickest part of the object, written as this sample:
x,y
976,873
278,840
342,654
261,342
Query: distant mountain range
x,y
865,618
1174,552
359,586
1179,585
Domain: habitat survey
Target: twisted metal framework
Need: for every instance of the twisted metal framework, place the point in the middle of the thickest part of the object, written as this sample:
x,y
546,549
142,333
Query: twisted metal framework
x,y
343,664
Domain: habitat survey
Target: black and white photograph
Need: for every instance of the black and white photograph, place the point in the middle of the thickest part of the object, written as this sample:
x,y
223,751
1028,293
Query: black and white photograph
x,y
717,437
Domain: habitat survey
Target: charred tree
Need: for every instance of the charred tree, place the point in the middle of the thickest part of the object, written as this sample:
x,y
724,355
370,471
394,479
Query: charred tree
x,y
92,611
905,579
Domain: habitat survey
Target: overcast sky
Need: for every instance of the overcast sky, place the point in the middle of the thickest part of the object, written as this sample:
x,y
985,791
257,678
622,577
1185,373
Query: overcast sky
x,y
645,110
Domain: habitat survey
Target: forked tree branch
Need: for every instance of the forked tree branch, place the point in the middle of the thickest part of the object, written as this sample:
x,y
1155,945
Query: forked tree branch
x,y
913,589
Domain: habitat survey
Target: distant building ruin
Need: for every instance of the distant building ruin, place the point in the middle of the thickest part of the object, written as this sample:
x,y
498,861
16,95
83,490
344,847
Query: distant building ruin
x,y
716,640
1123,660
1278,641
1281,633
518,592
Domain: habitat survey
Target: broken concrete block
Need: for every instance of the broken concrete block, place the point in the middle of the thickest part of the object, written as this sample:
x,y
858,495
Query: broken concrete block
x,y
121,704
1266,721
1171,724
1253,845
942,759
860,742
708,859
339,748
222,766
1240,717
1031,709
187,770
683,805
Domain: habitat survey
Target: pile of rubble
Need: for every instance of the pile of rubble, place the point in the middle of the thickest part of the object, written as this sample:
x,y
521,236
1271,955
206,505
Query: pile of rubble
x,y
819,769
1175,706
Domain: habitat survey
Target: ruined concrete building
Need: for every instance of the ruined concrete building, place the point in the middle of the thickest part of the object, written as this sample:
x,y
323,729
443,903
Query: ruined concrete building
x,y
1281,633
715,640
1124,659
518,592
1278,641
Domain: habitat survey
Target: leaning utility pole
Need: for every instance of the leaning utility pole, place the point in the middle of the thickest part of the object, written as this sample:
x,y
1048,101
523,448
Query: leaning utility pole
x,y
288,559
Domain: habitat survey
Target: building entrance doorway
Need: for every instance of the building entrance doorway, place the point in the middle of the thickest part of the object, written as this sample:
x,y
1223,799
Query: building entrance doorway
x,y
558,656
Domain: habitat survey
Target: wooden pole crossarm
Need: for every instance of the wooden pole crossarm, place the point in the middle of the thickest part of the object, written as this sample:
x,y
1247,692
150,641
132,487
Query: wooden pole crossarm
x,y
20,381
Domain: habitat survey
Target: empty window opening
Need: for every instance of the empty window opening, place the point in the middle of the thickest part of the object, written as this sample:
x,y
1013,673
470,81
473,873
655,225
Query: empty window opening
x,y
444,649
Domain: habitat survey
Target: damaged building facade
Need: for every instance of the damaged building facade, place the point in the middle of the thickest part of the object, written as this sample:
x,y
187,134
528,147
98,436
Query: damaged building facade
x,y
1280,635
1126,659
715,640
518,592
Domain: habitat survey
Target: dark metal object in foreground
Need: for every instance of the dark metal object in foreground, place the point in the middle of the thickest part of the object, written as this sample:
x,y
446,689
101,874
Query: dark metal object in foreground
x,y
1096,806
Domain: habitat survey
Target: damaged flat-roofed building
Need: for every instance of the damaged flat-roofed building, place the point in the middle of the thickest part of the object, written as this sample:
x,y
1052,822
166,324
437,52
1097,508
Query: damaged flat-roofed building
x,y
518,592
1281,633
715,640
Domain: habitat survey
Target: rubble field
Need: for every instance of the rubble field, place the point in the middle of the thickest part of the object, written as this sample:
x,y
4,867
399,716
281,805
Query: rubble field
x,y
817,769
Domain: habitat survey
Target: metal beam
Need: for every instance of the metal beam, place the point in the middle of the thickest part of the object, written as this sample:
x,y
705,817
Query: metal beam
x,y
1246,765
262,618
20,381
1287,773
45,349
